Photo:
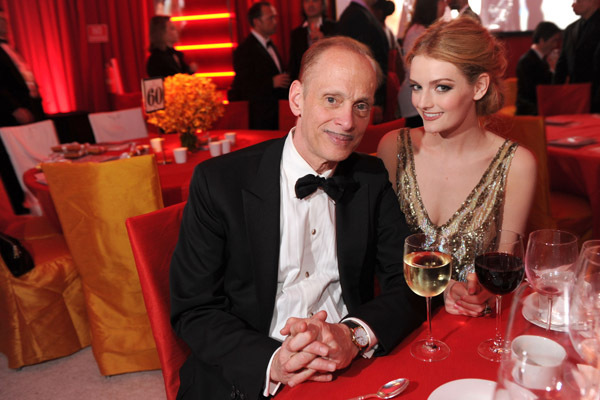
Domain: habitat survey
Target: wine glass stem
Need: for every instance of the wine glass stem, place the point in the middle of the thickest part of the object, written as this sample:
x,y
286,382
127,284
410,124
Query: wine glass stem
x,y
550,298
429,335
498,338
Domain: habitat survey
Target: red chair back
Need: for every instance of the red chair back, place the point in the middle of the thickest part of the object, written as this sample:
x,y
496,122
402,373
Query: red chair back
x,y
374,133
153,237
235,116
573,98
287,119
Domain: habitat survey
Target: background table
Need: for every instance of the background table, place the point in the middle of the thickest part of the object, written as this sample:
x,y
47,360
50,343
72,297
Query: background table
x,y
174,178
462,334
576,170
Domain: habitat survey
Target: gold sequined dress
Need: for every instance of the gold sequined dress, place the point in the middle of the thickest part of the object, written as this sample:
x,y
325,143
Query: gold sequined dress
x,y
476,220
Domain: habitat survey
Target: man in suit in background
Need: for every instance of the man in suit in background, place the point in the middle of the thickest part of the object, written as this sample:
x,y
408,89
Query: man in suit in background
x,y
20,103
272,279
358,22
533,68
259,73
580,55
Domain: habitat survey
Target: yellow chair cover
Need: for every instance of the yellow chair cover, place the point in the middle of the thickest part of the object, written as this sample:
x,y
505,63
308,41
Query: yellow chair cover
x,y
93,200
42,313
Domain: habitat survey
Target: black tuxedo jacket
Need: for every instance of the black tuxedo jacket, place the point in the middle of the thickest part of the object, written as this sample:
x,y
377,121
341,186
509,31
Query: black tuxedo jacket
x,y
299,44
531,71
254,70
161,63
580,45
359,23
224,268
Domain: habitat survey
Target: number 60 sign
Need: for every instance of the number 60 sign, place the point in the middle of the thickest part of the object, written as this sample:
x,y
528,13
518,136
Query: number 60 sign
x,y
154,94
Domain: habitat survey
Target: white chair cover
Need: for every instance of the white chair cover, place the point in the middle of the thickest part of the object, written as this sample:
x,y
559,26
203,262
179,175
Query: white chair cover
x,y
27,146
116,126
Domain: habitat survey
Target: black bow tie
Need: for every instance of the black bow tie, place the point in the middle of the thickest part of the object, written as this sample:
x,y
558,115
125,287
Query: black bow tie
x,y
270,44
307,185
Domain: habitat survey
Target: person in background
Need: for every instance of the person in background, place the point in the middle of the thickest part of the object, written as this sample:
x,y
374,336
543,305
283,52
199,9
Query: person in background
x,y
259,71
358,22
425,13
315,26
533,68
20,104
272,279
464,10
579,59
453,176
164,60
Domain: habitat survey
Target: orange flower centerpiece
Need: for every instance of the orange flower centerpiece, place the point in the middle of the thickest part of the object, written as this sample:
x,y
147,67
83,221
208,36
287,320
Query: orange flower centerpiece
x,y
191,105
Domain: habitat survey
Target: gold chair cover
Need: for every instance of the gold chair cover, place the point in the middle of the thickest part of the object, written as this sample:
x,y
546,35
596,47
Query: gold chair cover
x,y
42,313
93,200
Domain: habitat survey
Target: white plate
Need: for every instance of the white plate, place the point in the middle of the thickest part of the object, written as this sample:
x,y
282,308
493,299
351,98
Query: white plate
x,y
465,389
573,141
539,317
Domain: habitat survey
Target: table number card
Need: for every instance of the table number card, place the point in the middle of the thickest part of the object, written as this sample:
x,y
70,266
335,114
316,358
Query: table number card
x,y
154,94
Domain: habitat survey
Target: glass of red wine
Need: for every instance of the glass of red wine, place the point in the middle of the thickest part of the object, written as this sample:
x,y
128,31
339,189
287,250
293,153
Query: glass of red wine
x,y
427,270
550,264
499,269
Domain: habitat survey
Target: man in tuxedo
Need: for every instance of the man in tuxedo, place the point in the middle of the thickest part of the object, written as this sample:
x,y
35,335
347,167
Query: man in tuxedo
x,y
358,22
20,103
533,69
272,279
580,56
259,73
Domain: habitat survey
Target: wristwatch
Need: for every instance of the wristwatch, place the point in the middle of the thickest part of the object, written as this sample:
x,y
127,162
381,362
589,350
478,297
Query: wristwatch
x,y
359,335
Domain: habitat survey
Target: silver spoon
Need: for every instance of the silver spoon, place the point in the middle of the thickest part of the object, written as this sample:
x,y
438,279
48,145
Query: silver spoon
x,y
387,391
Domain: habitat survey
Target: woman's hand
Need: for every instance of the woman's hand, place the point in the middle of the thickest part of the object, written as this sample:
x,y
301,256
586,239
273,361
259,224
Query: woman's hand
x,y
468,298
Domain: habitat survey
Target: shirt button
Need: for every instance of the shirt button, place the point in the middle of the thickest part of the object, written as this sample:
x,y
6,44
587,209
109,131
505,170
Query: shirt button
x,y
313,231
306,274
310,314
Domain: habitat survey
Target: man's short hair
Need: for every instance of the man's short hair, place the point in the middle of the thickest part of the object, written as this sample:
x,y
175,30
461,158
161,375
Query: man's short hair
x,y
255,11
314,52
544,30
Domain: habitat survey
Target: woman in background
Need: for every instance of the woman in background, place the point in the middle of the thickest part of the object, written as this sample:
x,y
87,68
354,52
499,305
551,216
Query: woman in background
x,y
315,26
164,60
453,176
425,13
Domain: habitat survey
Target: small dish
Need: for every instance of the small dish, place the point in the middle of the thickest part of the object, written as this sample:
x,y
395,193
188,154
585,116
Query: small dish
x,y
465,389
538,315
572,141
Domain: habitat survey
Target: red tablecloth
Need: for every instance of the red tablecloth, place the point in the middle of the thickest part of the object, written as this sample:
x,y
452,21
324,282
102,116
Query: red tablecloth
x,y
462,334
174,178
576,170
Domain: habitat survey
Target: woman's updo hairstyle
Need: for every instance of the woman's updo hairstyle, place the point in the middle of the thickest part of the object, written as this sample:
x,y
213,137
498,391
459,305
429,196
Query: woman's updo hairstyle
x,y
467,45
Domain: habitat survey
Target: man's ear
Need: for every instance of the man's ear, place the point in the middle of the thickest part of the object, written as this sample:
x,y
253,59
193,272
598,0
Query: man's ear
x,y
481,86
295,98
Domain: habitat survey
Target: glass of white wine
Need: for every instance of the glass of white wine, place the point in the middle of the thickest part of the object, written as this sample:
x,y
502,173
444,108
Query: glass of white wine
x,y
427,270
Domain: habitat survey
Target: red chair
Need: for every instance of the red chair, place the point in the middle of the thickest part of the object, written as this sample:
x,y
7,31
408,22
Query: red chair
x,y
573,98
287,119
153,237
235,116
374,133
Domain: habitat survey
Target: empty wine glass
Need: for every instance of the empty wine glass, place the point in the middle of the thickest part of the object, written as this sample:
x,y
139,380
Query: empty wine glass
x,y
427,270
540,364
550,263
584,313
499,269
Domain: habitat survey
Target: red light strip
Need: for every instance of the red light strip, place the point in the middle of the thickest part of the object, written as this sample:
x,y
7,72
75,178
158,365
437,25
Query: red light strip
x,y
208,46
215,74
202,17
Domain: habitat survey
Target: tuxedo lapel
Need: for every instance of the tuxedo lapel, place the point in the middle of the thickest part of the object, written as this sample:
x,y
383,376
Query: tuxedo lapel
x,y
260,49
352,218
261,201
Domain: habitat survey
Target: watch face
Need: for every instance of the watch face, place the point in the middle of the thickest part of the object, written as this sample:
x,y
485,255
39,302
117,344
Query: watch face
x,y
361,337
